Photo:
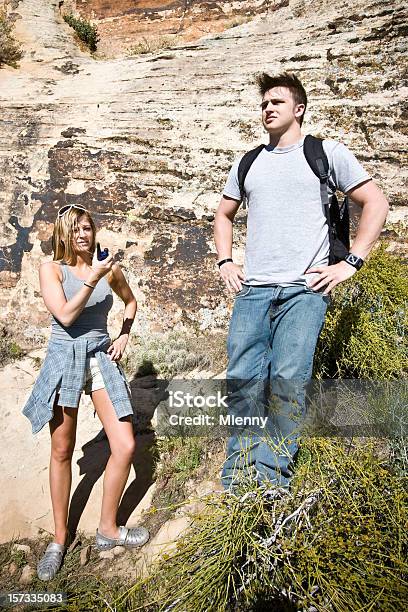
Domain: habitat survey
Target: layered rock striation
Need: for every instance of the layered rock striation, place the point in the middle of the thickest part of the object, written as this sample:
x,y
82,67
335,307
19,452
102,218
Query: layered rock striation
x,y
145,142
123,23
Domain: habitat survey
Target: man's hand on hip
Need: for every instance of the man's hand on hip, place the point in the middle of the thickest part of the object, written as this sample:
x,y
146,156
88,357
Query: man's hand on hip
x,y
232,276
330,276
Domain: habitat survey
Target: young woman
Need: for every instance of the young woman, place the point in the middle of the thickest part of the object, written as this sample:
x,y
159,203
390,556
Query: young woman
x,y
77,290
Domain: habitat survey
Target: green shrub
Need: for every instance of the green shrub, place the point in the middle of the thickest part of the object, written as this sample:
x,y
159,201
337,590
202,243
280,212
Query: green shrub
x,y
87,32
9,350
10,51
365,334
336,541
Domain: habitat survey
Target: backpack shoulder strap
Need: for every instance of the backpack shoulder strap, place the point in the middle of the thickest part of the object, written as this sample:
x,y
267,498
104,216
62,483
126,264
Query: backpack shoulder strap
x,y
318,162
337,219
316,157
244,166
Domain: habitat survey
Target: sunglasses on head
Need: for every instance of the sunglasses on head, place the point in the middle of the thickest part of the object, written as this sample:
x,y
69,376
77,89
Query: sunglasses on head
x,y
64,209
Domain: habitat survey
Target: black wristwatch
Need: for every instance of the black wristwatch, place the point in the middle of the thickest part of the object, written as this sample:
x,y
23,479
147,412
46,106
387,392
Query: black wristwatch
x,y
354,261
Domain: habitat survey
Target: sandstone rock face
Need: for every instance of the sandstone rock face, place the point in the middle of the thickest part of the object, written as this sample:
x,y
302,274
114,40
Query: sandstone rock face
x,y
146,142
121,24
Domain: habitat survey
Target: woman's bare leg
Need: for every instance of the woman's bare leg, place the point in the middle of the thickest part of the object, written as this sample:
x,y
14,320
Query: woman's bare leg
x,y
63,432
122,445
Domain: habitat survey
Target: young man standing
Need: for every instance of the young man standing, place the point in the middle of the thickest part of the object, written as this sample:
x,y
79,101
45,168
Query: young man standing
x,y
283,290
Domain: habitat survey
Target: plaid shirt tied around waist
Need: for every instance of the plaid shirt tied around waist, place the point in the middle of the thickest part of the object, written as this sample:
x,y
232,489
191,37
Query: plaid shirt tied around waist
x,y
64,371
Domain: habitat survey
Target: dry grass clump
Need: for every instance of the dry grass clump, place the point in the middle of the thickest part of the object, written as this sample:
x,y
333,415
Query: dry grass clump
x,y
238,20
336,541
151,45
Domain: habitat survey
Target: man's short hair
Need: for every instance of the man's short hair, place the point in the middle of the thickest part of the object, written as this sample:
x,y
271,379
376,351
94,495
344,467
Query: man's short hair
x,y
266,82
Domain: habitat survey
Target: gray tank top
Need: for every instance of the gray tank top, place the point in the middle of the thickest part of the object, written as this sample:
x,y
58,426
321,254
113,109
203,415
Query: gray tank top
x,y
92,322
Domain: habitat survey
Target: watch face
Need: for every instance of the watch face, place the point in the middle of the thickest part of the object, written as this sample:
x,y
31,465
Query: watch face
x,y
355,261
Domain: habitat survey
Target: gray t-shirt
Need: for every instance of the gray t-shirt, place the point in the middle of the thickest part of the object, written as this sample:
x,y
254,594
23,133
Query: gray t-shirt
x,y
287,232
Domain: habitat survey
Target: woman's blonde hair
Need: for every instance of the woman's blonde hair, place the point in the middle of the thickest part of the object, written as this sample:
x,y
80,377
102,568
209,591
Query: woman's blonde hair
x,y
63,236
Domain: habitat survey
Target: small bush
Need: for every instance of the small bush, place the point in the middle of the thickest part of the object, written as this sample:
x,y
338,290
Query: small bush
x,y
86,32
10,51
9,350
365,334
336,541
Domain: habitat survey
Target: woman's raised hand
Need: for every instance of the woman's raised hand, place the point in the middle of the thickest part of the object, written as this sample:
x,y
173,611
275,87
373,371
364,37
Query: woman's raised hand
x,y
100,268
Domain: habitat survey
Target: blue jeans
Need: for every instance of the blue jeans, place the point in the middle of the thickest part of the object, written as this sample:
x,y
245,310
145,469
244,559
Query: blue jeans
x,y
271,344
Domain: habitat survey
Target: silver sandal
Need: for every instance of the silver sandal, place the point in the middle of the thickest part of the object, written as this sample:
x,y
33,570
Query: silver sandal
x,y
51,561
128,537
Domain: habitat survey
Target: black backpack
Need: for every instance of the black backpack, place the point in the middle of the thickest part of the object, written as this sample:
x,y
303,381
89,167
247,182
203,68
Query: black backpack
x,y
338,218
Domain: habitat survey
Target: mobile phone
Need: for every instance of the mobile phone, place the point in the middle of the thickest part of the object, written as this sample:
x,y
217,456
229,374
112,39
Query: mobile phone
x,y
101,255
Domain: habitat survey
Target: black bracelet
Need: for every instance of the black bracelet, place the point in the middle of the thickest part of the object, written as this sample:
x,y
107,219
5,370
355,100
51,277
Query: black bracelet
x,y
223,261
90,286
